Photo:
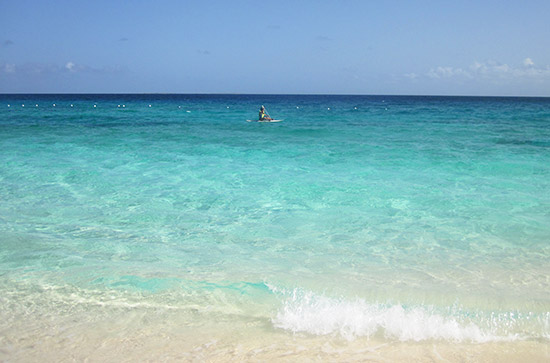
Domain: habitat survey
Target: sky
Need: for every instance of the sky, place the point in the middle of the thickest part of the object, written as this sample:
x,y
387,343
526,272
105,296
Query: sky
x,y
486,48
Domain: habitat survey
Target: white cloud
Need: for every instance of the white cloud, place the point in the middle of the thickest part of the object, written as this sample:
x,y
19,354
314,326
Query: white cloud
x,y
8,68
502,68
447,72
83,68
490,70
70,66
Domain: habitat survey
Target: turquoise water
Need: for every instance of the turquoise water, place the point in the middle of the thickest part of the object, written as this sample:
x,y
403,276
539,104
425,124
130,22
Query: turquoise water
x,y
405,218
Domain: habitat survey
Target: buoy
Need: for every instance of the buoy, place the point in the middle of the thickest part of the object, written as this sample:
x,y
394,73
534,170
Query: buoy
x,y
71,105
227,106
54,105
188,111
297,107
9,106
179,106
149,105
328,108
123,105
36,105
95,105
22,105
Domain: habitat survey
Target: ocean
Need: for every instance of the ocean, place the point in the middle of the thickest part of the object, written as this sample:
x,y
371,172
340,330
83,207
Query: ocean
x,y
164,227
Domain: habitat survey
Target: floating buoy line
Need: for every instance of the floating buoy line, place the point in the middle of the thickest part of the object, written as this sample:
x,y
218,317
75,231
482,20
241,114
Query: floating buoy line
x,y
72,105
9,105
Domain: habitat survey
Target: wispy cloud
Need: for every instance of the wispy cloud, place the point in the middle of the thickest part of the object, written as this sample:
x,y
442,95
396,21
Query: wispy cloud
x,y
203,52
502,70
447,72
322,38
69,67
7,68
83,68
411,75
274,27
7,43
123,39
28,68
490,70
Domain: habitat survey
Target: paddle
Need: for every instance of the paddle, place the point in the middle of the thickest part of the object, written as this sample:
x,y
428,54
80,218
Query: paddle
x,y
269,117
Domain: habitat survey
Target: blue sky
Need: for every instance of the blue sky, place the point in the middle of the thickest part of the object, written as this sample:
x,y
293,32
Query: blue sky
x,y
333,47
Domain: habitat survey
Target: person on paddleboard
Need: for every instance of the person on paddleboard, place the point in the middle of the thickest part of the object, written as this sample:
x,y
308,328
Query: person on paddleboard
x,y
264,115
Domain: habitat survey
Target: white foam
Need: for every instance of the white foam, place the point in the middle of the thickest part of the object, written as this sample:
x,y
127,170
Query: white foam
x,y
307,312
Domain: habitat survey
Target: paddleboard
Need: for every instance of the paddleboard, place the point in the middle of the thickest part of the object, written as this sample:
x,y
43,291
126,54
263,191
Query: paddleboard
x,y
264,120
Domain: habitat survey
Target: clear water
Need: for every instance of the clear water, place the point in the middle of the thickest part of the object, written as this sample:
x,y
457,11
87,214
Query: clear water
x,y
398,218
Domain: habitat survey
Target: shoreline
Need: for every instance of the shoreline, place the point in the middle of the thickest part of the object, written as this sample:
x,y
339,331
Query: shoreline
x,y
137,335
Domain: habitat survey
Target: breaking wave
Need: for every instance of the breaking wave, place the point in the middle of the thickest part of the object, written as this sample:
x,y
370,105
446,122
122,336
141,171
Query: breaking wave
x,y
306,312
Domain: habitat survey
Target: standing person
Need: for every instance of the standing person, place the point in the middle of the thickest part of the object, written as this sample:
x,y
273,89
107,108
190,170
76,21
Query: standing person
x,y
263,114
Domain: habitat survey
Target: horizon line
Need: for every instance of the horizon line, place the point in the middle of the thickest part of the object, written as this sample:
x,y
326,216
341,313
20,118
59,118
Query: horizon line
x,y
267,94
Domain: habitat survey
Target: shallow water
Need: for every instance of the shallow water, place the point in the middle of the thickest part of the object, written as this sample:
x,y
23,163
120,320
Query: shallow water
x,y
358,219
